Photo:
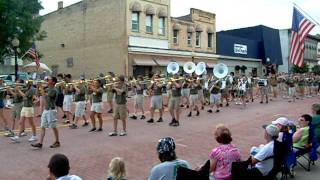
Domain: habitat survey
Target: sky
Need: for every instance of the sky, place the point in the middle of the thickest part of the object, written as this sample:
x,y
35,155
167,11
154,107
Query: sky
x,y
233,14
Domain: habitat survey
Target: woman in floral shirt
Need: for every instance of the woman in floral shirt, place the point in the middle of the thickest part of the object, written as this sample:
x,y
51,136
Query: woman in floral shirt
x,y
222,156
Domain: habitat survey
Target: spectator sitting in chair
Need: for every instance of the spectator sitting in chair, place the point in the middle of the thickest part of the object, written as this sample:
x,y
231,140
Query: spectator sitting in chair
x,y
283,124
222,156
316,120
167,169
301,136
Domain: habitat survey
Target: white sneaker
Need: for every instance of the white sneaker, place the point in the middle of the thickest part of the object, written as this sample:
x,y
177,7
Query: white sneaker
x,y
15,139
23,134
33,138
123,133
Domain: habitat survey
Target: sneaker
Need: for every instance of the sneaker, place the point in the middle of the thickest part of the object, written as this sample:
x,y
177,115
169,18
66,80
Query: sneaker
x,y
110,111
182,105
202,107
267,102
38,145
33,138
15,139
187,106
190,114
55,145
64,116
221,105
217,110
175,124
198,113
261,102
92,130
23,134
209,111
99,130
172,122
9,134
143,117
150,121
113,134
85,124
160,119
73,126
133,117
123,133
66,121
227,104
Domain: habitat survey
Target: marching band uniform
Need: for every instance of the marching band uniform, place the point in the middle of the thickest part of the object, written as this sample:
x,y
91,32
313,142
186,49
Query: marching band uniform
x,y
263,87
201,94
215,95
67,100
301,86
185,92
242,87
80,100
174,102
138,102
291,88
274,85
194,99
97,105
225,89
156,99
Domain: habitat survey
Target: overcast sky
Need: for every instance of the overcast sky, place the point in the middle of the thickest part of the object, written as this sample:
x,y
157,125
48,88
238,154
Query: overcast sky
x,y
231,14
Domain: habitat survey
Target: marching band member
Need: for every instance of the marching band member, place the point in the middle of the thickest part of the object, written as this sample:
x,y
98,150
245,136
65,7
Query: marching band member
x,y
263,88
274,85
291,88
234,84
110,94
49,115
301,86
215,95
17,105
80,100
60,97
174,101
201,93
185,92
138,98
2,106
225,89
242,87
96,105
27,111
194,99
120,110
156,98
67,100
249,89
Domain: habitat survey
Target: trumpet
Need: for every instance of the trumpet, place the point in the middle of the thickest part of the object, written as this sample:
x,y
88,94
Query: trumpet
x,y
5,87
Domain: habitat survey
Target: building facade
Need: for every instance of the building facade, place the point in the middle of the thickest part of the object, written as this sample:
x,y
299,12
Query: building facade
x,y
126,37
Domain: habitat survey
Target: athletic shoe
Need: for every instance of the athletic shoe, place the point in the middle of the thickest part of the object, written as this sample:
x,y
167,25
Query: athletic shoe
x,y
113,134
261,102
198,113
175,124
64,116
227,104
143,117
217,110
182,105
202,107
150,121
123,133
190,114
38,145
160,119
9,134
15,139
99,130
66,121
172,122
110,111
73,126
133,117
92,130
85,124
55,145
209,111
23,134
187,106
33,138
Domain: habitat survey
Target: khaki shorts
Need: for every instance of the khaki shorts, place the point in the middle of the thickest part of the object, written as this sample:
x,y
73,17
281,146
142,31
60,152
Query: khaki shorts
x,y
27,112
156,102
200,95
80,109
120,111
97,107
174,103
193,99
215,99
16,110
67,103
110,96
138,101
185,92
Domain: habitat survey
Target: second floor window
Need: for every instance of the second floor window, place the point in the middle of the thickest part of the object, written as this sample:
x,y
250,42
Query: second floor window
x,y
149,24
190,39
209,40
135,22
175,36
161,24
198,39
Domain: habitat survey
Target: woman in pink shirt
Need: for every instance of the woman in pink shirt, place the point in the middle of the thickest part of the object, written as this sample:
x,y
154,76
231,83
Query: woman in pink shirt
x,y
222,156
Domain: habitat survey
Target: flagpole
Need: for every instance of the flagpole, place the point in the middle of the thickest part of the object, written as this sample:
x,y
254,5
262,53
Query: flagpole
x,y
316,22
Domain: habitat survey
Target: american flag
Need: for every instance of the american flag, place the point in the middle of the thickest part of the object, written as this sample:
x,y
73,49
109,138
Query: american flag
x,y
33,53
301,26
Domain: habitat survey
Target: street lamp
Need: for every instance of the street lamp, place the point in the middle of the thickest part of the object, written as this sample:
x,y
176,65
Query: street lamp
x,y
15,44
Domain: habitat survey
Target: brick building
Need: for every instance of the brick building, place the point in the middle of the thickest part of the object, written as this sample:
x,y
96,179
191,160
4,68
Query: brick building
x,y
125,36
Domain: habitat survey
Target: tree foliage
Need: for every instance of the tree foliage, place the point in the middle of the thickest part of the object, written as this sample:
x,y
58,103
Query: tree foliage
x,y
19,18
316,69
303,69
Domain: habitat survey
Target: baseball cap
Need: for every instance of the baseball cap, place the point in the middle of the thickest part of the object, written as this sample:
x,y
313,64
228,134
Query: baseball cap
x,y
281,120
166,145
272,130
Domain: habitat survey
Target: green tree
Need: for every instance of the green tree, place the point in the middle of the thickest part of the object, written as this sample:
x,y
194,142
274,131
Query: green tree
x,y
304,69
19,18
316,69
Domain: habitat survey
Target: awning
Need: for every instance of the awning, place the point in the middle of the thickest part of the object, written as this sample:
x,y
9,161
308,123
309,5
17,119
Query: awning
x,y
144,62
165,62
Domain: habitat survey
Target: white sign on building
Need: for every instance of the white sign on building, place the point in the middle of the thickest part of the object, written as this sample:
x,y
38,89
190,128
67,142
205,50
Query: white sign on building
x,y
240,49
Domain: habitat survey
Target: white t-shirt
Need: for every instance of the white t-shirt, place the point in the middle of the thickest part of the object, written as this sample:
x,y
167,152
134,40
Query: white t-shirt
x,y
167,170
266,151
69,177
